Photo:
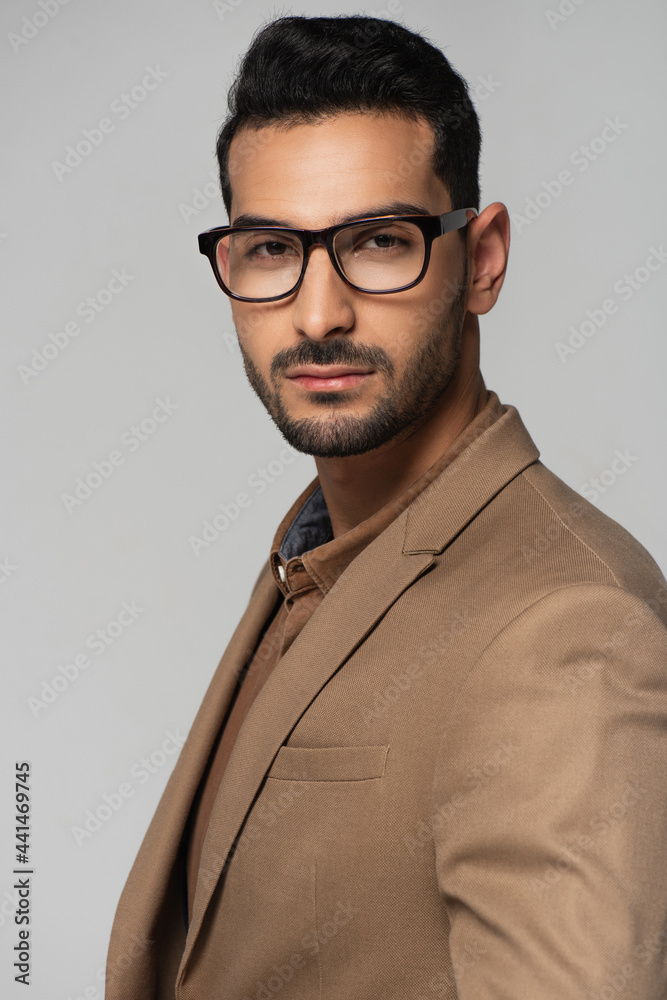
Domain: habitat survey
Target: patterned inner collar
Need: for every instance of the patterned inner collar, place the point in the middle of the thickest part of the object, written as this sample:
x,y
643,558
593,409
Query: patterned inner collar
x,y
311,527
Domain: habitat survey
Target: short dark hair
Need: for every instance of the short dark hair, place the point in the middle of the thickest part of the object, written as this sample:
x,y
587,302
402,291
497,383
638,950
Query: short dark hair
x,y
298,70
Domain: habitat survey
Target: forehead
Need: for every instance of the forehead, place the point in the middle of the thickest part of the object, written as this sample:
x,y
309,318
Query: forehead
x,y
313,175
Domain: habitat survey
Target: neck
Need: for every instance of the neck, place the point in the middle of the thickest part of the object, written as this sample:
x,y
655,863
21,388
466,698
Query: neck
x,y
357,486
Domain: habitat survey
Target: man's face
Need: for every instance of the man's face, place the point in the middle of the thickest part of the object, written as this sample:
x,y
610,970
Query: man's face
x,y
406,343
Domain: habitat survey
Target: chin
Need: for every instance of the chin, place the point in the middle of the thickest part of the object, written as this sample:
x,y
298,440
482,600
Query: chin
x,y
338,438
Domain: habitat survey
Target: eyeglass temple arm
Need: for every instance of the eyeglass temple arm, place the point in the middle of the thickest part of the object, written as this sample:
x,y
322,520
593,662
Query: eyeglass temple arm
x,y
455,220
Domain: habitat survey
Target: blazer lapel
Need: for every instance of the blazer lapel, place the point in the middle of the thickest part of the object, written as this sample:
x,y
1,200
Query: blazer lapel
x,y
144,893
337,626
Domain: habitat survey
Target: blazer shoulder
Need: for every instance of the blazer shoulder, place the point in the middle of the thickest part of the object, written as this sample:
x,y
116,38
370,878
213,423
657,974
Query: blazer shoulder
x,y
629,564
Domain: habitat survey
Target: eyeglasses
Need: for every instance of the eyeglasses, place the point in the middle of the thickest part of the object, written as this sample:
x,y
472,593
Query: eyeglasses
x,y
378,255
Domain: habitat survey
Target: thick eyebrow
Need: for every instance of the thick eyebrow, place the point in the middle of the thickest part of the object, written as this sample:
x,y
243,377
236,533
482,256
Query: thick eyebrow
x,y
394,208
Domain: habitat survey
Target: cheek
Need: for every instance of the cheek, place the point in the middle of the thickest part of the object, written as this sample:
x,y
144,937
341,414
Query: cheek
x,y
442,286
247,322
256,334
447,264
392,325
400,323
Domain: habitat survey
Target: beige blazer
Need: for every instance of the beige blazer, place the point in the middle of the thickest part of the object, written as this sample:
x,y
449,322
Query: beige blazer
x,y
454,783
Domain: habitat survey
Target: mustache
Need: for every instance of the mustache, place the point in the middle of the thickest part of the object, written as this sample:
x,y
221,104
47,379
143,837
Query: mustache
x,y
331,352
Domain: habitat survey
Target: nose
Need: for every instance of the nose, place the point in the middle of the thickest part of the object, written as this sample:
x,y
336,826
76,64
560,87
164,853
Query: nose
x,y
324,303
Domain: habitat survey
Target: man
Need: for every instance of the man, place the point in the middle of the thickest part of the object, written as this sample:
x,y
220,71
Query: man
x,y
431,761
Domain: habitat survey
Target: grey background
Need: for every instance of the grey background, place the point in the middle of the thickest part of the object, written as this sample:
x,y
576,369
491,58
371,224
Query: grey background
x,y
136,204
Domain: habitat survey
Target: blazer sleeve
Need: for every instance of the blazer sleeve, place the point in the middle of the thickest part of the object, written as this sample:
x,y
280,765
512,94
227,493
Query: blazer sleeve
x,y
549,808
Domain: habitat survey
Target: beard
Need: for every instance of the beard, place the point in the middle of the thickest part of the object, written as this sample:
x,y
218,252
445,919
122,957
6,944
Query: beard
x,y
406,402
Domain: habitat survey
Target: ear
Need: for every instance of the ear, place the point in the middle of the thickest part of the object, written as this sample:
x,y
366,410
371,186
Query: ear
x,y
488,248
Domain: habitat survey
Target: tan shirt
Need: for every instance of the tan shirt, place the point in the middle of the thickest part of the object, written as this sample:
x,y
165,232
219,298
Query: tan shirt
x,y
305,561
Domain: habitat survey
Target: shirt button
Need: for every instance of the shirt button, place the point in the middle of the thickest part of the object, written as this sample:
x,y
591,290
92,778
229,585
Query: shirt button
x,y
281,572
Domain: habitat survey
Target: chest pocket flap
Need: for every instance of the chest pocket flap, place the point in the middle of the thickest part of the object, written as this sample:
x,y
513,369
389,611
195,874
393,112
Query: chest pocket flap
x,y
329,763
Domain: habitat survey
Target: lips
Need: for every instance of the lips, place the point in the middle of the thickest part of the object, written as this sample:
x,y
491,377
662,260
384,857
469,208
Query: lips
x,y
321,377
326,371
